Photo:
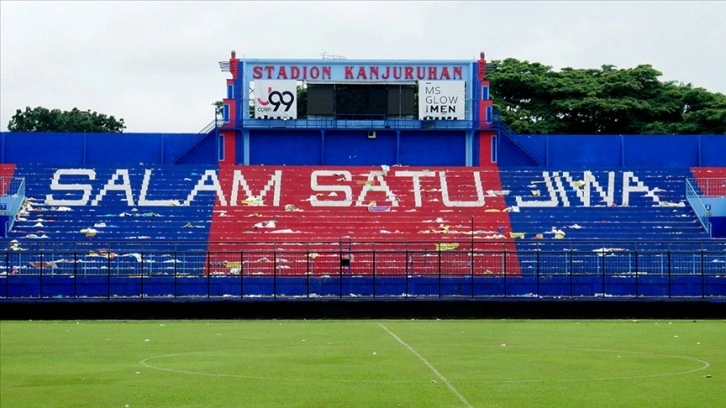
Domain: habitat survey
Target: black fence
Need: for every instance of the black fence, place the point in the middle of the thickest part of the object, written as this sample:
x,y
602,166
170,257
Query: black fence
x,y
683,270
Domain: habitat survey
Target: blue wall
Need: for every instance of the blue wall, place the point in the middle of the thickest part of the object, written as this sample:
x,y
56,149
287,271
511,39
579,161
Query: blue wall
x,y
614,151
562,285
353,147
718,227
718,205
346,147
285,147
98,148
433,148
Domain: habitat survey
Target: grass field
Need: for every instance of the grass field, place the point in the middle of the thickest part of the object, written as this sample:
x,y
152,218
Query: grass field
x,y
363,363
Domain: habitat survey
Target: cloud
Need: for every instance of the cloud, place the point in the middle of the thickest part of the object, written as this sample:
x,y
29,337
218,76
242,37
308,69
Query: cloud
x,y
155,63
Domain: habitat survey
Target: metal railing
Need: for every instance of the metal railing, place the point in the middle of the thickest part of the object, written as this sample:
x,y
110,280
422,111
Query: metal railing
x,y
710,187
693,196
370,124
308,272
11,199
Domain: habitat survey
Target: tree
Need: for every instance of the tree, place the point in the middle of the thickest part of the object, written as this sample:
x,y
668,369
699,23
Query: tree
x,y
218,108
535,99
41,119
302,101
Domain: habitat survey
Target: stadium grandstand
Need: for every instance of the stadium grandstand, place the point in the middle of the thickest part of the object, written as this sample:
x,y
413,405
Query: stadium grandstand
x,y
359,180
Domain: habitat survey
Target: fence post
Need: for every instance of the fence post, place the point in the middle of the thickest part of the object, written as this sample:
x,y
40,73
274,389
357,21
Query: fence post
x,y
669,273
307,271
340,277
505,269
439,269
108,260
209,274
241,274
40,289
570,267
373,247
602,271
7,274
108,282
176,262
471,289
637,291
703,273
537,272
142,276
75,285
274,271
406,270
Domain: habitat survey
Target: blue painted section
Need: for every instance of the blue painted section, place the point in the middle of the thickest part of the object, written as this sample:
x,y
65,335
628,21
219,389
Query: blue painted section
x,y
98,148
656,209
718,205
614,151
55,286
711,151
117,220
284,148
718,227
356,148
510,155
585,151
675,151
4,225
433,148
426,147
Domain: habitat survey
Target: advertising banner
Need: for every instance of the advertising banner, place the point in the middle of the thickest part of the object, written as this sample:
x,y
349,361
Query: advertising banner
x,y
275,100
439,100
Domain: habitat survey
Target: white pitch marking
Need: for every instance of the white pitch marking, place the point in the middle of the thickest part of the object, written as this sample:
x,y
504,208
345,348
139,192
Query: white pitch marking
x,y
145,363
705,365
431,367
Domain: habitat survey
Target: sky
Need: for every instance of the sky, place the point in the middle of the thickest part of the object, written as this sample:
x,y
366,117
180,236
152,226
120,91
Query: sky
x,y
155,64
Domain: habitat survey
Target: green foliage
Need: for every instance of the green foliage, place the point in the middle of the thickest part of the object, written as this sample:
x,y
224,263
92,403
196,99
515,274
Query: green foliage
x,y
302,101
535,99
41,119
218,107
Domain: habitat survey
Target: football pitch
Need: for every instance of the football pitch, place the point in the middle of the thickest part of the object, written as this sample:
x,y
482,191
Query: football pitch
x,y
363,363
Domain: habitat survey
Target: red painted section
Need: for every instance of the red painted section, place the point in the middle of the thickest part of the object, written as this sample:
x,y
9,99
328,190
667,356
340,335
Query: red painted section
x,y
485,149
230,147
711,180
362,204
6,172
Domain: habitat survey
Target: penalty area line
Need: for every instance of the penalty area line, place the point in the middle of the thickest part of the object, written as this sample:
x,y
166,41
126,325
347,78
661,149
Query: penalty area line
x,y
429,365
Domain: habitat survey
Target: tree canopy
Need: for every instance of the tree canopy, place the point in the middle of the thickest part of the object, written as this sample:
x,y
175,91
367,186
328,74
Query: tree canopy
x,y
535,99
41,119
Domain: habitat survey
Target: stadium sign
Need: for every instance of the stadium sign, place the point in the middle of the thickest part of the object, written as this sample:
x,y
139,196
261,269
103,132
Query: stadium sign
x,y
357,72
